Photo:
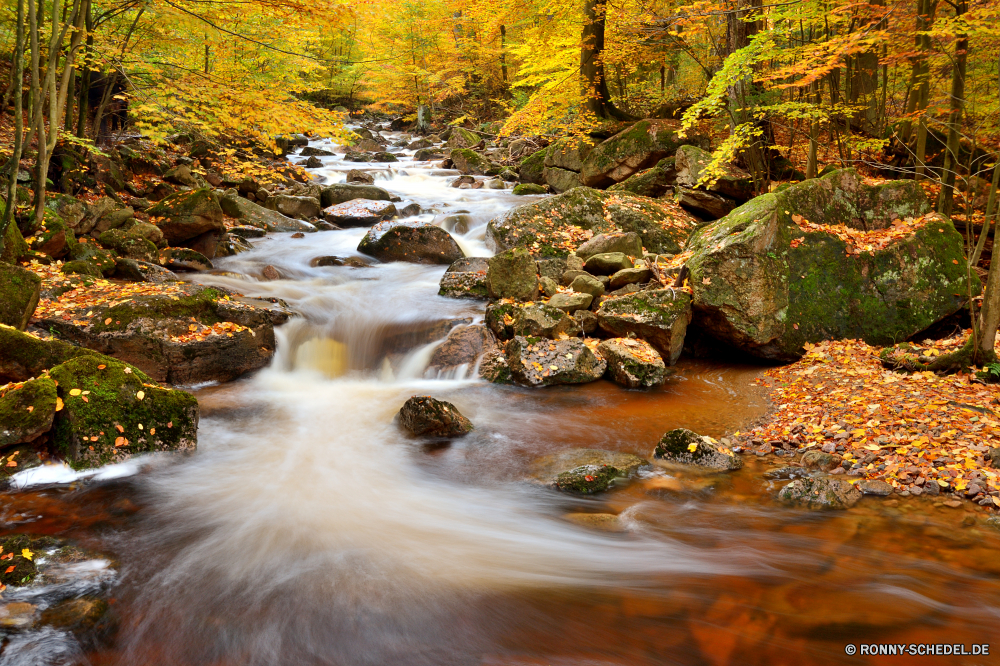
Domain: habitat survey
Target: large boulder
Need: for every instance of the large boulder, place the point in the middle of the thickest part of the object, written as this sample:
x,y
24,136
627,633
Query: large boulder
x,y
359,212
26,410
470,162
300,208
341,192
184,335
256,215
511,274
542,362
731,181
130,245
425,416
706,205
569,153
658,316
531,167
19,293
465,278
462,138
639,147
683,447
556,226
415,242
186,215
633,363
560,180
769,278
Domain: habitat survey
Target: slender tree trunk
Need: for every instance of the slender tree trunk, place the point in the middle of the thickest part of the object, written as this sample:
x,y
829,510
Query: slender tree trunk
x,y
592,63
15,160
503,54
741,26
951,156
812,168
83,108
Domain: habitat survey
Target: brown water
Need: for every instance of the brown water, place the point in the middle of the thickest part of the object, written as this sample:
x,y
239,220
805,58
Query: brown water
x,y
308,530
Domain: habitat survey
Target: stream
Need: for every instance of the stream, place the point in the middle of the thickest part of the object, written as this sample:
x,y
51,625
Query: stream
x,y
309,530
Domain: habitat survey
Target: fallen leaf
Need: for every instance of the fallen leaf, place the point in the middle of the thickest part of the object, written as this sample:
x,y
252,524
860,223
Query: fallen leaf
x,y
27,554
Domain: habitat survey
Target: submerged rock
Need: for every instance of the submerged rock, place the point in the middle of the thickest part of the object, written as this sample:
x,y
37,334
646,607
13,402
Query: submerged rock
x,y
689,448
586,471
824,493
633,363
427,417
415,242
541,362
658,316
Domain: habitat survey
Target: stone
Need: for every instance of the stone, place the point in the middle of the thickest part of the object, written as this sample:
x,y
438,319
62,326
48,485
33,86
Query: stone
x,y
471,162
81,267
129,245
658,316
539,320
588,479
541,362
877,487
123,413
26,411
756,291
604,522
463,346
560,180
586,320
255,215
469,264
425,154
187,215
425,416
358,176
820,493
23,356
147,231
733,182
462,180
587,284
360,212
627,276
629,244
571,302
312,163
462,138
20,290
182,175
247,231
639,147
415,242
681,446
135,270
310,151
184,259
632,363
522,189
706,205
821,460
72,211
341,192
607,263
300,208
553,226
653,182
511,274
548,286
495,184
531,167
557,470
53,238
384,156
464,284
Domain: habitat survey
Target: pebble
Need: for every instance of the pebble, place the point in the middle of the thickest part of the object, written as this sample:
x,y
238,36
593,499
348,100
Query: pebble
x,y
954,504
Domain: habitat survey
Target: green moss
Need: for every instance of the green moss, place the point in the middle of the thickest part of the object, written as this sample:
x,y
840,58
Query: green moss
x,y
119,404
127,244
23,356
26,412
522,189
19,293
589,479
104,260
82,267
14,246
199,305
530,169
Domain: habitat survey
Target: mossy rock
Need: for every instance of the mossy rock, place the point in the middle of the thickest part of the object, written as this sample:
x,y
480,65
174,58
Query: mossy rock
x,y
23,356
633,363
560,180
54,237
653,182
14,245
541,362
569,153
24,569
821,493
531,167
82,267
534,319
546,226
464,284
415,242
766,286
129,245
523,189
70,209
462,138
511,274
26,411
109,414
658,316
568,470
20,290
683,447
425,416
89,252
588,479
186,215
470,162
639,147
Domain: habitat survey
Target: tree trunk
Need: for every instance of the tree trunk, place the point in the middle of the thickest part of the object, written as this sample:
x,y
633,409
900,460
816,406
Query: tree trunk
x,y
951,157
742,93
503,54
598,99
15,160
812,168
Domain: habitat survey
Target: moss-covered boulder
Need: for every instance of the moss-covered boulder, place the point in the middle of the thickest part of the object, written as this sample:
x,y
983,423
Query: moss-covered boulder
x,y
542,362
524,189
26,410
71,210
53,238
820,493
586,471
511,274
633,363
256,215
639,147
184,259
90,252
184,216
19,293
18,570
652,182
128,244
771,276
415,242
628,243
683,447
23,356
186,335
569,153
425,416
462,138
81,267
731,181
14,245
142,271
470,162
607,263
111,412
556,226
658,316
465,278
531,167
538,320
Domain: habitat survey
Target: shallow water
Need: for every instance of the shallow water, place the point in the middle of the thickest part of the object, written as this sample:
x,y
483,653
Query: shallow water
x,y
308,529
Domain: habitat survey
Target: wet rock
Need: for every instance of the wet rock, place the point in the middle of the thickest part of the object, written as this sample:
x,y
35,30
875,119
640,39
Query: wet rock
x,y
26,411
312,163
469,264
568,470
383,156
260,217
23,356
658,316
638,275
464,283
79,614
20,290
471,162
706,205
876,487
425,154
246,231
531,167
142,271
410,210
629,244
17,570
495,184
269,272
184,259
607,263
111,412
688,448
785,473
571,302
507,320
632,363
427,417
359,176
415,242
300,208
824,493
511,274
587,284
605,522
310,151
360,213
184,339
639,147
463,346
754,291
341,192
544,225
522,189
541,362
820,460
186,215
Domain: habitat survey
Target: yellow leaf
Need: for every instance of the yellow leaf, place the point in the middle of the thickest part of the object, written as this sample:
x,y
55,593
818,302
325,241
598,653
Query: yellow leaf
x,y
140,395
75,392
692,447
27,554
59,404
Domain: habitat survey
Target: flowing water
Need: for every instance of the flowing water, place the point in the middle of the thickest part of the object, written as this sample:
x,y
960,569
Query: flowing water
x,y
308,529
